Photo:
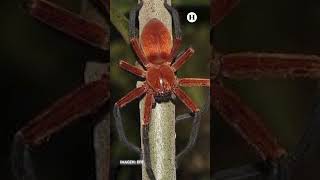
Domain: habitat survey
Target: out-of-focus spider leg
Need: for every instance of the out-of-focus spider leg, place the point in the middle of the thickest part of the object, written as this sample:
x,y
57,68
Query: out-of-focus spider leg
x,y
250,127
68,22
190,82
177,29
249,64
278,169
81,102
195,125
134,40
145,134
132,95
221,8
248,124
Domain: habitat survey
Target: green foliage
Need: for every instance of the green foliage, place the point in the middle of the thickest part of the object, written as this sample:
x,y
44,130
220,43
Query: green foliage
x,y
120,22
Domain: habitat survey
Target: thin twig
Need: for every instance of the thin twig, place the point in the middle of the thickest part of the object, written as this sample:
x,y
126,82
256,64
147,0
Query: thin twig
x,y
101,140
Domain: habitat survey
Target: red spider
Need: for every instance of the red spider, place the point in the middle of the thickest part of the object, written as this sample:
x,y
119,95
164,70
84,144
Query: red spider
x,y
156,53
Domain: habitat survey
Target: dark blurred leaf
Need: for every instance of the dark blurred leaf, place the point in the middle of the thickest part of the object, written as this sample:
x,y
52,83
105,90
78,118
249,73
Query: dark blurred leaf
x,y
120,22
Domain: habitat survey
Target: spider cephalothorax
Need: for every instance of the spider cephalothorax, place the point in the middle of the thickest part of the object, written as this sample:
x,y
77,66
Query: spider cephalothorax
x,y
156,51
161,80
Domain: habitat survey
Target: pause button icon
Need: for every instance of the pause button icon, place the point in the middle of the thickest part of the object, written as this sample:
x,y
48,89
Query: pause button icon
x,y
192,17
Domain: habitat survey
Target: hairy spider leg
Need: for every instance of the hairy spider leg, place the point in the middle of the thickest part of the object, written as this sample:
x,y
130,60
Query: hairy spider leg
x,y
188,82
145,133
146,120
146,149
279,65
132,69
185,81
79,103
68,22
148,107
177,29
132,95
134,39
136,93
195,124
182,59
191,82
187,116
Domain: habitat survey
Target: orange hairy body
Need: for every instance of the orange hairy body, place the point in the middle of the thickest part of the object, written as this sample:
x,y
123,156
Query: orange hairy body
x,y
156,42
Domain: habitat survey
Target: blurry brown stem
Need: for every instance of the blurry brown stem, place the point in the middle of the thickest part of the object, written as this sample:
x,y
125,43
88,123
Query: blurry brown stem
x,y
101,140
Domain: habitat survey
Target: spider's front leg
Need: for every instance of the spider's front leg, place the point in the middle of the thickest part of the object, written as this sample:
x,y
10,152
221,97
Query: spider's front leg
x,y
180,60
134,40
79,103
132,95
149,101
177,28
188,82
194,82
195,124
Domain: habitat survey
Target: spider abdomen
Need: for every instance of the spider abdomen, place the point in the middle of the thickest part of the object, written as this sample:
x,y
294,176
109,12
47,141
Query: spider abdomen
x,y
156,42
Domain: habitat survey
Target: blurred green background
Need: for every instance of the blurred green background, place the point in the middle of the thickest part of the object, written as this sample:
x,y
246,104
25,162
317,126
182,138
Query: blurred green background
x,y
196,164
285,105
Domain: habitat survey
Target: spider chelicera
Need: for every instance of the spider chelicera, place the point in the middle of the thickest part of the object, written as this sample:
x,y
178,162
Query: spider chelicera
x,y
156,52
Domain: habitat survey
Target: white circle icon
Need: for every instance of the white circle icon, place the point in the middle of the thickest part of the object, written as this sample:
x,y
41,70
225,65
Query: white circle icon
x,y
192,17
